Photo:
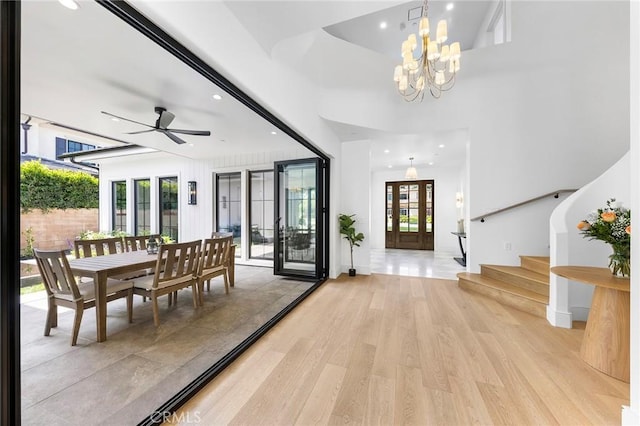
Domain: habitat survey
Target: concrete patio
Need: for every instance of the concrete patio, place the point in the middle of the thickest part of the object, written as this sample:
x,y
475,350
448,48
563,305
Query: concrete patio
x,y
140,366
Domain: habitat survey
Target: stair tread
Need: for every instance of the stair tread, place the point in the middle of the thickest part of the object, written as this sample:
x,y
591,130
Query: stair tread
x,y
520,272
501,285
541,259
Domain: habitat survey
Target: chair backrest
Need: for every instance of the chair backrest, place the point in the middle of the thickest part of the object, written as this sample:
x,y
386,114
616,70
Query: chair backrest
x,y
138,242
215,234
215,253
56,273
177,263
97,247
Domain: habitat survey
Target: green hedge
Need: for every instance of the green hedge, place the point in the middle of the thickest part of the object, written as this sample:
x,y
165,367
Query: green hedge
x,y
45,189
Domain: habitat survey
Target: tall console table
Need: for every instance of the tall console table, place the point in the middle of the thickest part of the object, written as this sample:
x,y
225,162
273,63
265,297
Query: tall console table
x,y
605,346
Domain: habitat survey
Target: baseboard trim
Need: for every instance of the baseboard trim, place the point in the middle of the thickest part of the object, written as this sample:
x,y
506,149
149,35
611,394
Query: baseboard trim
x,y
559,319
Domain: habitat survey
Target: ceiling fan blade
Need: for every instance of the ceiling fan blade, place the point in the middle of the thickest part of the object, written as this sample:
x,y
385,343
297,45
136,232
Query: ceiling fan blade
x,y
190,132
125,119
140,131
164,119
172,136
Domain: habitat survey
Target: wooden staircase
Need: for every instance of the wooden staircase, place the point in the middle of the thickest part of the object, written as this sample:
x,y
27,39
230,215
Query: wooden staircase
x,y
524,287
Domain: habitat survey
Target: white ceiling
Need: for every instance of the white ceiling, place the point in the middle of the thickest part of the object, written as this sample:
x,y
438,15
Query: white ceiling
x,y
78,63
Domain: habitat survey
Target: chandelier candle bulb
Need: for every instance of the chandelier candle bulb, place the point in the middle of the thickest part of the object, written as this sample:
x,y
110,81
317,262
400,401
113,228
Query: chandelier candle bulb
x,y
423,30
444,53
432,51
397,74
413,43
441,32
455,50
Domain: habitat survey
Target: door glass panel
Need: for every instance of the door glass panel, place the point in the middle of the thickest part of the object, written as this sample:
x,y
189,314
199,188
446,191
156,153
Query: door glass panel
x,y
403,198
389,208
296,202
429,207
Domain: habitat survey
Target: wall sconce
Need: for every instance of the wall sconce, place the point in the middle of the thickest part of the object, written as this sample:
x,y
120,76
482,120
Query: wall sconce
x,y
193,192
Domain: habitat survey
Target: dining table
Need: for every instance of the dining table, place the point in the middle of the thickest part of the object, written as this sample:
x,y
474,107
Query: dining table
x,y
99,268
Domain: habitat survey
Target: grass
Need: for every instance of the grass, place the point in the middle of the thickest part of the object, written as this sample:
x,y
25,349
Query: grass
x,y
32,289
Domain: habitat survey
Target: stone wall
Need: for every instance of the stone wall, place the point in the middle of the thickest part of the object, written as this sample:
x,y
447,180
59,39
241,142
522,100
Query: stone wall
x,y
57,228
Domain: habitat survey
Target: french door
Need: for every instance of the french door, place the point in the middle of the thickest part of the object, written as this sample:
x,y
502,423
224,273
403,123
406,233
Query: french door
x,y
410,222
299,218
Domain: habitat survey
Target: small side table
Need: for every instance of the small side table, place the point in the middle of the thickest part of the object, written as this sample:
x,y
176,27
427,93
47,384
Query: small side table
x,y
605,346
461,260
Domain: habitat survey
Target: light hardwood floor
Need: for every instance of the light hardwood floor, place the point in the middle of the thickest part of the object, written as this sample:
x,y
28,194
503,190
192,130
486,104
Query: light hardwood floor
x,y
386,349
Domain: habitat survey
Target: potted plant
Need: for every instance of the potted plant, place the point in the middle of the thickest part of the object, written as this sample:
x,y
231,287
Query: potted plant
x,y
349,231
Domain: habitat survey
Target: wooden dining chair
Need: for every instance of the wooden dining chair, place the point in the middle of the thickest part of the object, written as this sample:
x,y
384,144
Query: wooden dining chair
x,y
214,262
97,247
63,290
231,263
138,242
175,269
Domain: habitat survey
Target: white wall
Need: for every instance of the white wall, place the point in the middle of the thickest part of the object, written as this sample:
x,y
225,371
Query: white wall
x,y
355,172
631,413
446,182
570,301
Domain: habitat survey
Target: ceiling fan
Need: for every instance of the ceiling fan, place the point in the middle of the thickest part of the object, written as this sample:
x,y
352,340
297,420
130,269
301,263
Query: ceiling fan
x,y
164,119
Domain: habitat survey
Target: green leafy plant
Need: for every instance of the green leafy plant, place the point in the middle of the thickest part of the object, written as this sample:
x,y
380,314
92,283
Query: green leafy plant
x,y
45,189
30,240
349,231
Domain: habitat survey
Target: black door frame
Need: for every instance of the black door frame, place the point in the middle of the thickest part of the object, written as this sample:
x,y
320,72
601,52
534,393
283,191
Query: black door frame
x,y
320,269
10,212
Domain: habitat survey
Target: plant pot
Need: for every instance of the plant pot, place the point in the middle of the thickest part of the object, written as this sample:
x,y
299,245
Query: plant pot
x,y
352,272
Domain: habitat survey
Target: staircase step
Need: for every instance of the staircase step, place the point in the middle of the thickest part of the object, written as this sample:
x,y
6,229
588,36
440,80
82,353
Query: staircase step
x,y
503,292
539,264
518,276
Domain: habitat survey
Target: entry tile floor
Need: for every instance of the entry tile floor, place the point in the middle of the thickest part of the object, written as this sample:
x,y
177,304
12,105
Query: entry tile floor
x,y
416,263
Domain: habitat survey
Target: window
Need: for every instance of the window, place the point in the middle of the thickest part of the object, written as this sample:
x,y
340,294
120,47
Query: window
x,y
119,206
142,214
261,214
228,213
169,207
66,145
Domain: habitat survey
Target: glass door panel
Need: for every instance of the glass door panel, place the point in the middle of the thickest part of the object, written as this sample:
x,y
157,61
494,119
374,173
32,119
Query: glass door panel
x,y
298,190
409,215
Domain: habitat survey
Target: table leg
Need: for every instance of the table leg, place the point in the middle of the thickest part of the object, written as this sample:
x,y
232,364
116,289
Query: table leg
x,y
232,267
100,283
605,346
461,260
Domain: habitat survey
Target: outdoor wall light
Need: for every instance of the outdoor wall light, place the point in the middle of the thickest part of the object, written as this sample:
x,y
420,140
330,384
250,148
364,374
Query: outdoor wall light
x,y
193,192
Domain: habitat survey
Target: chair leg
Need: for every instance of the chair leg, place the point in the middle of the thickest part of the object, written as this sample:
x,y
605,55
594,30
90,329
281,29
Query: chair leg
x,y
144,299
130,305
156,317
226,283
200,285
76,323
208,285
51,316
194,291
54,322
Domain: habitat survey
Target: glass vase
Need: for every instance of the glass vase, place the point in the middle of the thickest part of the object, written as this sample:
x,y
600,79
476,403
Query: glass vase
x,y
620,261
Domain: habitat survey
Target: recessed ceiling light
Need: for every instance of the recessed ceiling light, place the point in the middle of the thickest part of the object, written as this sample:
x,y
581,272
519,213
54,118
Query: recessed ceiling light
x,y
449,6
383,25
69,4
441,145
431,163
115,119
191,144
273,132
390,166
386,151
217,97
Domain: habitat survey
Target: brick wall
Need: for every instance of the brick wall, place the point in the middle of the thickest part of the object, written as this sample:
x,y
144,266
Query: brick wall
x,y
54,230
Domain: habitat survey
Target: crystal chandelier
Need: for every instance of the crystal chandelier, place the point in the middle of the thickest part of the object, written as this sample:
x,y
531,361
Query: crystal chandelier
x,y
435,68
